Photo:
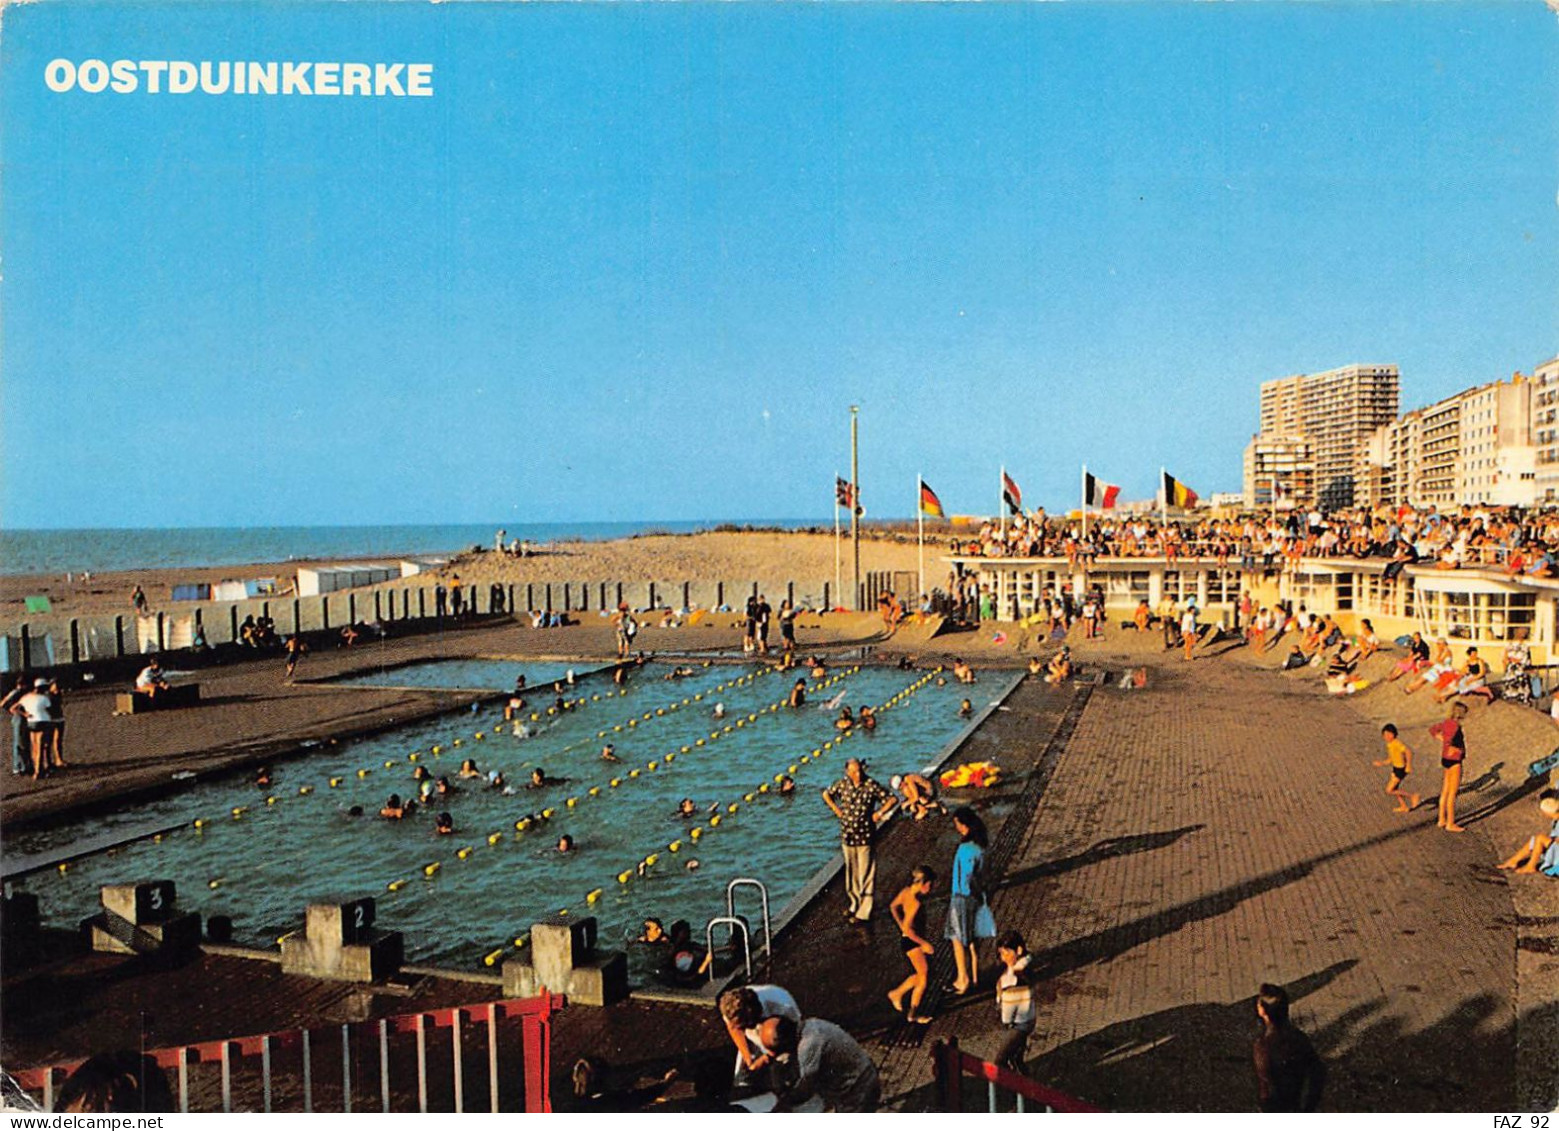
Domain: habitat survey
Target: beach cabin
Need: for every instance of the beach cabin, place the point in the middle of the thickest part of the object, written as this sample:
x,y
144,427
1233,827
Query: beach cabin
x,y
312,582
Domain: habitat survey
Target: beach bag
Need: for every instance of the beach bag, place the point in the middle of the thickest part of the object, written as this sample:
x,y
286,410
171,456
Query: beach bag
x,y
984,921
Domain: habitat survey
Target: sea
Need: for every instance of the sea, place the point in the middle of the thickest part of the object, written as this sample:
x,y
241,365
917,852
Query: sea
x,y
105,551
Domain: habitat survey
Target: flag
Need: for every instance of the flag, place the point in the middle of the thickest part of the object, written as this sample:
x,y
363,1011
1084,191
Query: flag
x,y
929,503
844,494
1098,493
1010,494
1177,494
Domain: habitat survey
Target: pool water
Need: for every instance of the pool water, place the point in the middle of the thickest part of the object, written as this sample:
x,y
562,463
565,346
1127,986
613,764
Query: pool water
x,y
464,898
492,675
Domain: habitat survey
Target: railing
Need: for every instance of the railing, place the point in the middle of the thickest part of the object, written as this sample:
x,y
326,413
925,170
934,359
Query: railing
x,y
55,640
339,1076
952,1066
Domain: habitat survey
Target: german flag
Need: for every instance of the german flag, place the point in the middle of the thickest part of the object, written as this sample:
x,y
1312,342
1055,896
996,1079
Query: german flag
x,y
1177,494
929,503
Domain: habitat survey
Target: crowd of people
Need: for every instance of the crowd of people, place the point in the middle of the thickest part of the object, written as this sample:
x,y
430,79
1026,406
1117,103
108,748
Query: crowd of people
x,y
1519,541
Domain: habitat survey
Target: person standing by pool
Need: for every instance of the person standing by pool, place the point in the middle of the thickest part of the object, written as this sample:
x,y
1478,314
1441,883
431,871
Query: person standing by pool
x,y
1453,752
54,738
909,912
969,917
19,737
764,613
750,625
859,803
620,622
1188,630
33,708
787,619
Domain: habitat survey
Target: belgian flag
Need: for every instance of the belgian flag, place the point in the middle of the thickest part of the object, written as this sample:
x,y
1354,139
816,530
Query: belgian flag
x,y
1177,494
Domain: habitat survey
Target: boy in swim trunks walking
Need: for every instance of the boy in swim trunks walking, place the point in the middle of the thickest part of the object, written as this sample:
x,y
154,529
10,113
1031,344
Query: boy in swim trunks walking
x,y
1400,759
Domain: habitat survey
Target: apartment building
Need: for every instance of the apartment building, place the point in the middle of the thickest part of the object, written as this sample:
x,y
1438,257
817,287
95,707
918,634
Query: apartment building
x,y
1333,412
1279,472
1545,430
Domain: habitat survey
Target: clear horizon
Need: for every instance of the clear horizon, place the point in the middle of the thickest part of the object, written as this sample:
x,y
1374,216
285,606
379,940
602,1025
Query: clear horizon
x,y
634,257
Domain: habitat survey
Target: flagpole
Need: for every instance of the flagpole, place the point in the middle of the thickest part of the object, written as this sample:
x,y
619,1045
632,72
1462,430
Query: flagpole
x,y
1163,498
1001,502
920,523
855,503
1084,485
838,575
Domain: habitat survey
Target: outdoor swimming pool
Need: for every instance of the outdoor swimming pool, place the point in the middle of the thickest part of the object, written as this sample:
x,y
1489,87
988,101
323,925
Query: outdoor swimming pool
x,y
260,855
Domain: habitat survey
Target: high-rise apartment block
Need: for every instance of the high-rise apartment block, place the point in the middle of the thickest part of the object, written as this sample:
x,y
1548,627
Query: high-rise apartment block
x,y
1495,444
1332,413
1545,430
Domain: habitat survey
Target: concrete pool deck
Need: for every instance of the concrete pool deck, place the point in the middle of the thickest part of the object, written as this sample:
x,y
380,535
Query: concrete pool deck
x,y
1220,828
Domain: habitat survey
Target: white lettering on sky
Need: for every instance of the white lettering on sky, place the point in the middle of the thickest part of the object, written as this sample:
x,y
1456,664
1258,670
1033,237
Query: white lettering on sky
x,y
223,76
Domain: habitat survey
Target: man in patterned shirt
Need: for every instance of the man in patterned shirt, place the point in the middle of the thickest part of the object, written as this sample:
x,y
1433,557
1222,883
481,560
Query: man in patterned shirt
x,y
859,803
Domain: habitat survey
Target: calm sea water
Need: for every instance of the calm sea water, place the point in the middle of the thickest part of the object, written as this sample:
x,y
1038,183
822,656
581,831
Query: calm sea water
x,y
101,551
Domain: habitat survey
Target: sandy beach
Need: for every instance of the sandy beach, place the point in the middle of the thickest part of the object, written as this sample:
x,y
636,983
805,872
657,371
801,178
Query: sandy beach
x,y
728,555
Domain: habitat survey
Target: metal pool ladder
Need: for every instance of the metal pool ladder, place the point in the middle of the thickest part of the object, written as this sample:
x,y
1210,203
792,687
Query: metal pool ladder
x,y
763,896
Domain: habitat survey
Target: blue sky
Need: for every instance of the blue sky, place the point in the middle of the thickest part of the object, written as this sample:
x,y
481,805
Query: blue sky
x,y
636,261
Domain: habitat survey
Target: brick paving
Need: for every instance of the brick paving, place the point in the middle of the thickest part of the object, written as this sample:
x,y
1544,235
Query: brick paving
x,y
1198,839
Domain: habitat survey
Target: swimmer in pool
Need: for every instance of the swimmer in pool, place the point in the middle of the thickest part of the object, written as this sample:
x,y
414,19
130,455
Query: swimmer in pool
x,y
609,753
445,825
420,774
263,777
395,809
965,709
844,721
686,808
868,718
565,843
787,786
468,769
653,934
719,711
445,789
798,694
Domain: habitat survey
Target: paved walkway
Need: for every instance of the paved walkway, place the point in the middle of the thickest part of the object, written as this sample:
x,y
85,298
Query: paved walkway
x,y
1216,831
